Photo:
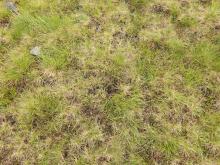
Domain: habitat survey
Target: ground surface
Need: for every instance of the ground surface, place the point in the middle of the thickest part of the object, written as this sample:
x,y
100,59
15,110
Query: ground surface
x,y
117,82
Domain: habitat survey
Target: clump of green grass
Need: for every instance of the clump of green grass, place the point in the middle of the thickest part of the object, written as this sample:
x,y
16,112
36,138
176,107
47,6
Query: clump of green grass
x,y
119,107
186,21
55,58
29,24
40,110
174,12
206,54
17,67
213,10
15,71
4,13
176,46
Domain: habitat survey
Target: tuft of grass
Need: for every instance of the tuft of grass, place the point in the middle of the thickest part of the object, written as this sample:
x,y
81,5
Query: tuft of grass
x,y
29,24
206,54
17,67
186,22
4,13
213,11
40,110
55,58
119,107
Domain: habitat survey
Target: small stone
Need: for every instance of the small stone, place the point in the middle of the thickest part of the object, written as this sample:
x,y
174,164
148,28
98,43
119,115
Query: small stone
x,y
35,51
11,6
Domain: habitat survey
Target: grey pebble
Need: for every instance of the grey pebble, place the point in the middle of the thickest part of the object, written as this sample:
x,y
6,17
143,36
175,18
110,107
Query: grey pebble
x,y
11,6
35,51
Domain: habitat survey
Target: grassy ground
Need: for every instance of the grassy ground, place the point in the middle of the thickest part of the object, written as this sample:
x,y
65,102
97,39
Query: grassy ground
x,y
118,82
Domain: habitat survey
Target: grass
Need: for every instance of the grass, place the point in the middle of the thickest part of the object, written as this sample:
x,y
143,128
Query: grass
x,y
117,82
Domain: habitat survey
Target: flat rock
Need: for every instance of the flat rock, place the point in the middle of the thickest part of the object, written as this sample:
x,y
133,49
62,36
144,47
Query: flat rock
x,y
35,51
11,6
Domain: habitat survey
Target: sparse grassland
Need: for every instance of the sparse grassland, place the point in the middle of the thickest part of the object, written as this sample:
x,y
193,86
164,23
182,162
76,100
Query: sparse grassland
x,y
133,82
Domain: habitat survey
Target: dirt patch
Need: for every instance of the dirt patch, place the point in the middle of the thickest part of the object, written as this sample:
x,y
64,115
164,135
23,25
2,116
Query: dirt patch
x,y
4,22
217,26
103,159
2,119
184,3
95,25
11,119
160,9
